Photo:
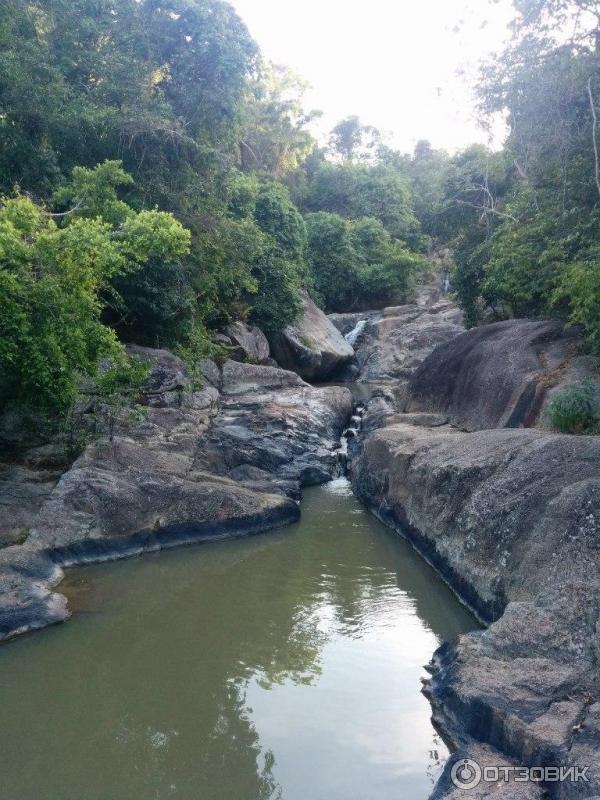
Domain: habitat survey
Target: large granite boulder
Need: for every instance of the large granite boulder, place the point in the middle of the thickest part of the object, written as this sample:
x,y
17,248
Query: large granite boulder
x,y
395,345
251,341
167,372
240,378
511,519
312,346
499,375
272,420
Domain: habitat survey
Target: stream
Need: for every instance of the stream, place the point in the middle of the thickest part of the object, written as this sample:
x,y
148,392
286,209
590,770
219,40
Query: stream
x,y
285,665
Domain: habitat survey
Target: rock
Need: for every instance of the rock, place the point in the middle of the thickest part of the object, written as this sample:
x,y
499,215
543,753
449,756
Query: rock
x,y
312,346
210,373
241,378
252,342
21,430
223,340
346,322
285,428
393,347
204,399
98,513
26,578
53,455
167,371
511,519
500,789
495,376
429,294
23,491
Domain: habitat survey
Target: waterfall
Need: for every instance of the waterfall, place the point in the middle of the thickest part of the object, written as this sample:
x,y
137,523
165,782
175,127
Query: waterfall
x,y
356,331
351,432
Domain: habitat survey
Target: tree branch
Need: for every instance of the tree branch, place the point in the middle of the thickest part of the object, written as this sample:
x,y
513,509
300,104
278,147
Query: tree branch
x,y
594,138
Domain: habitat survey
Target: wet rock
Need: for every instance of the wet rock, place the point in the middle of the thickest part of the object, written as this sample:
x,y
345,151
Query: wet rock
x,y
312,346
251,340
26,578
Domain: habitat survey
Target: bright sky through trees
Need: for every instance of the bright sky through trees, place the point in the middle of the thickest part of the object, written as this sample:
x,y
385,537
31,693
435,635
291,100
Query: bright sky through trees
x,y
405,66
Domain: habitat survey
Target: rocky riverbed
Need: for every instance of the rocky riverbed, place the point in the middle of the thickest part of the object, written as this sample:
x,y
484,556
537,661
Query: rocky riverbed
x,y
227,459
460,461
454,452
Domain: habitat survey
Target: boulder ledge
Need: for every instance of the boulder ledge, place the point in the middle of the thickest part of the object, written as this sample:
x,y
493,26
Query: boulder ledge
x,y
313,347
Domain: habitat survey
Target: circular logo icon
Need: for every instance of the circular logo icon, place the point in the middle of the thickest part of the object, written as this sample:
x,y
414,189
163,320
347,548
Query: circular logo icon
x,y
466,774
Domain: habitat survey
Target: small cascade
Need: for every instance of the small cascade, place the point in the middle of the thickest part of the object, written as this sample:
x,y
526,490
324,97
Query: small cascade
x,y
356,331
351,432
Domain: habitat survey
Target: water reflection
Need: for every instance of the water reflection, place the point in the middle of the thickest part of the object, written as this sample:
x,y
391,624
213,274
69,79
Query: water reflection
x,y
285,666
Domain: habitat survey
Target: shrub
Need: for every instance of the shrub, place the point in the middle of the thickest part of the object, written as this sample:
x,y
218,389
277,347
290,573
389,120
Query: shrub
x,y
575,410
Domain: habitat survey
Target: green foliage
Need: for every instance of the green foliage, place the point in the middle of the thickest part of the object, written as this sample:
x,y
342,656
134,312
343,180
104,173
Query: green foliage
x,y
524,223
281,269
158,85
351,140
275,139
142,146
575,409
53,280
277,301
116,392
357,265
93,193
354,190
50,280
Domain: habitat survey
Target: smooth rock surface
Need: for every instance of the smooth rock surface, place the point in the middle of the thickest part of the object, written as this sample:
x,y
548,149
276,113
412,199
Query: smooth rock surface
x,y
393,347
23,491
312,346
499,375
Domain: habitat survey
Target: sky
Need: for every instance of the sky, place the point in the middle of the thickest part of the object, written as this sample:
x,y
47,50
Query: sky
x,y
405,66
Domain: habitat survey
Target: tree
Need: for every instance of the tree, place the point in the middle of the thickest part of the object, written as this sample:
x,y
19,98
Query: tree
x,y
351,140
55,273
357,264
358,190
275,138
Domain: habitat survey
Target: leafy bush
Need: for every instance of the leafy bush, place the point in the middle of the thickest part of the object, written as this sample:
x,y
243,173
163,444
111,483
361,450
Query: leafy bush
x,y
281,268
575,409
53,282
357,264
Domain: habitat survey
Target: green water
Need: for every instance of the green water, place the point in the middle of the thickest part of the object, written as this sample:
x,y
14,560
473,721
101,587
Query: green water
x,y
282,666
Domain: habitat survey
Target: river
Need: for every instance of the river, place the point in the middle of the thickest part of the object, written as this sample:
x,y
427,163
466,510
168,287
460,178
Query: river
x,y
284,666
